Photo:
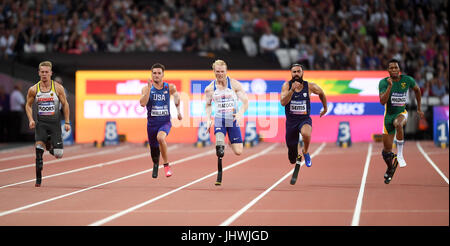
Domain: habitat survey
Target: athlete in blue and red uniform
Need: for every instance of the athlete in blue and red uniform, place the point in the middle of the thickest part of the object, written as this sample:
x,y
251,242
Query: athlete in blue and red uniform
x,y
225,92
295,97
156,98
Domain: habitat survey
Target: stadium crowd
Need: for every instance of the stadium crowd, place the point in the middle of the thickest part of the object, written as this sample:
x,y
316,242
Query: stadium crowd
x,y
328,34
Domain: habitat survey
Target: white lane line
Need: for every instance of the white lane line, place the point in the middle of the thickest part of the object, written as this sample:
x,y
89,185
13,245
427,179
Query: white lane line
x,y
126,211
357,212
253,202
101,164
99,185
66,158
66,150
431,162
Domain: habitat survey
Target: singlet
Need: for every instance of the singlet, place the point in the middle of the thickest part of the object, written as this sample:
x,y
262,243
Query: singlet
x,y
226,101
158,105
300,106
397,99
47,104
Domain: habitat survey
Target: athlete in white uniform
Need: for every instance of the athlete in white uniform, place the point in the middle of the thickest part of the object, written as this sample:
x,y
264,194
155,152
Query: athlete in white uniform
x,y
48,96
225,92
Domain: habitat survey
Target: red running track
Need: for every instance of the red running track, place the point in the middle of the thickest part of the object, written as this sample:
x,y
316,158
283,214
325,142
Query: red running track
x,y
113,186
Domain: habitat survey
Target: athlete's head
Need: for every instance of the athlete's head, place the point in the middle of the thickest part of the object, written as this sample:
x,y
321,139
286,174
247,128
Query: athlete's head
x,y
220,69
394,68
157,72
45,71
297,72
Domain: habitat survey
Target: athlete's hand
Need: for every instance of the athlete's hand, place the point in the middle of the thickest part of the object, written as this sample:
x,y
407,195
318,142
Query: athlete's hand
x,y
421,114
324,111
180,117
67,127
295,85
208,125
32,124
149,83
389,80
237,118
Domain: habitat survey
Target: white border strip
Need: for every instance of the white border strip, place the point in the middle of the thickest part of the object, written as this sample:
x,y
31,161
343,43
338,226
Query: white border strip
x,y
357,212
253,202
431,162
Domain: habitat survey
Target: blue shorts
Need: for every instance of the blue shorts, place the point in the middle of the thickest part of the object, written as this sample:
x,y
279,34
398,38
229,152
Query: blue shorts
x,y
293,130
154,127
234,131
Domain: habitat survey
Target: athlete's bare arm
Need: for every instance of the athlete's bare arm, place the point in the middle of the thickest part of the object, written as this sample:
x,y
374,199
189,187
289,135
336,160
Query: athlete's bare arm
x,y
317,90
209,91
176,99
418,94
64,104
384,97
145,94
29,106
240,93
286,93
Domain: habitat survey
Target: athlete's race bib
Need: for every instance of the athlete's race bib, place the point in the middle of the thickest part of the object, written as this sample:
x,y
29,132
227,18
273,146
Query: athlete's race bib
x,y
298,107
160,111
225,106
398,99
46,108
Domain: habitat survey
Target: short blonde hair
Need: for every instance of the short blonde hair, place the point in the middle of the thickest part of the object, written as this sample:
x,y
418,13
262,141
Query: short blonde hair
x,y
45,64
219,63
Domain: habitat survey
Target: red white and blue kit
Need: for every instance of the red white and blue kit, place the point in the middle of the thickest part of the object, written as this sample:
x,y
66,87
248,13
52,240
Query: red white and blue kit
x,y
226,102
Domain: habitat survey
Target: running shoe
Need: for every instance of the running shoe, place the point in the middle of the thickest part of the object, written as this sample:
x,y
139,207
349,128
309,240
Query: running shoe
x,y
307,160
167,170
401,161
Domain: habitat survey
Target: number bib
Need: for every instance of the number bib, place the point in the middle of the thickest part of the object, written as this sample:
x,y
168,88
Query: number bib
x,y
46,108
298,107
398,99
160,110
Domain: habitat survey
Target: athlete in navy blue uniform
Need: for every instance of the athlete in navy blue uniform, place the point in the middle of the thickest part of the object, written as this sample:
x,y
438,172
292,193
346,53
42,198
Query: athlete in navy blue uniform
x,y
295,97
156,98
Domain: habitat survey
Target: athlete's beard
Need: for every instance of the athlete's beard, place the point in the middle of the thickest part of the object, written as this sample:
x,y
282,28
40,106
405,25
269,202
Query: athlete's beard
x,y
297,78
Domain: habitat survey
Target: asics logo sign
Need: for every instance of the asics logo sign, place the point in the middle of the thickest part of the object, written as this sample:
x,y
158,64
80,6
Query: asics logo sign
x,y
346,108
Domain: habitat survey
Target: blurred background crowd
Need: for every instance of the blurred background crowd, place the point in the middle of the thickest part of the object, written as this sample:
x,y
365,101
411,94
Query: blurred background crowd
x,y
325,34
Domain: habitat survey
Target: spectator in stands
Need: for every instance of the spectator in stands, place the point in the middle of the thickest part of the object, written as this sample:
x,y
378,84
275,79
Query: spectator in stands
x,y
437,88
269,43
4,114
17,103
412,31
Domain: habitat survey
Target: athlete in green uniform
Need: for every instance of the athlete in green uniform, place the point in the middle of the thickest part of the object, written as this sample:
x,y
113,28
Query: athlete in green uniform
x,y
393,92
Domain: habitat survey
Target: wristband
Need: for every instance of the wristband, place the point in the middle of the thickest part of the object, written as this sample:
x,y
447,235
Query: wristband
x,y
68,123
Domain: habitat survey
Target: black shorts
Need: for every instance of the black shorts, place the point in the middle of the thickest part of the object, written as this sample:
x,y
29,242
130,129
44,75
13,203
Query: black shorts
x,y
45,129
293,128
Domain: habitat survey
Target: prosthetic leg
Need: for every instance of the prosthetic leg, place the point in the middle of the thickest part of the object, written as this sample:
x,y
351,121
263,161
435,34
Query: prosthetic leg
x,y
220,152
39,164
294,157
155,152
392,163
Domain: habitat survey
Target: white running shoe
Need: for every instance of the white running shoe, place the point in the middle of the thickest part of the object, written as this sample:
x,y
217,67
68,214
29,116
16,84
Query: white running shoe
x,y
401,161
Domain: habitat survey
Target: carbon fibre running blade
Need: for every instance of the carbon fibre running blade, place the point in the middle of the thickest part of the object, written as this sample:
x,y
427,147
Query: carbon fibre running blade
x,y
295,174
155,170
219,172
